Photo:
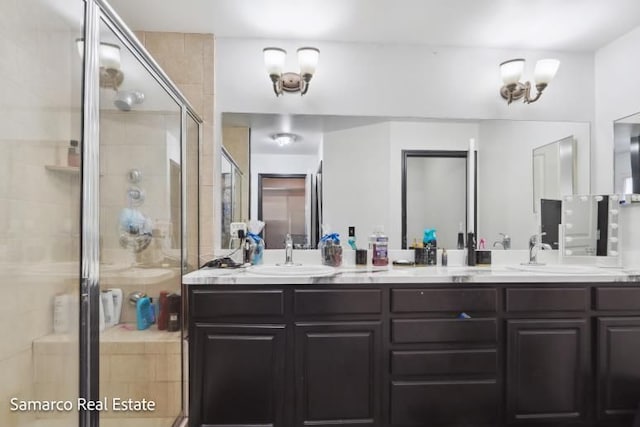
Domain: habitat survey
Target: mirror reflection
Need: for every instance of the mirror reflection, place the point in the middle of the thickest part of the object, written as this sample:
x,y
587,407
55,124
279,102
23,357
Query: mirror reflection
x,y
590,224
361,159
431,179
626,132
554,170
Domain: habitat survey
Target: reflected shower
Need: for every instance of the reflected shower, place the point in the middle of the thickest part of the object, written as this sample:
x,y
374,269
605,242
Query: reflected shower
x,y
125,99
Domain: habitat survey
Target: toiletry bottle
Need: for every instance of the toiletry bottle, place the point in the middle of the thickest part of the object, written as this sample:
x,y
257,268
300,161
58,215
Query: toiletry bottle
x,y
143,317
471,249
73,156
117,304
379,243
152,311
163,315
107,306
174,302
445,258
430,246
460,237
352,238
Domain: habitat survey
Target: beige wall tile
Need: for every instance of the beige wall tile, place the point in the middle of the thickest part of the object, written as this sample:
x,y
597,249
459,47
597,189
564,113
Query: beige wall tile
x,y
164,44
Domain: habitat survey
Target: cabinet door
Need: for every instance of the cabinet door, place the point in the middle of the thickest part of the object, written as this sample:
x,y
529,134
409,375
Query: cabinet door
x,y
618,368
338,371
547,370
237,374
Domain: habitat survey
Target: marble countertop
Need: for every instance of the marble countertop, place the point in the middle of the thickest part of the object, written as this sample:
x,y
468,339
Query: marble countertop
x,y
558,273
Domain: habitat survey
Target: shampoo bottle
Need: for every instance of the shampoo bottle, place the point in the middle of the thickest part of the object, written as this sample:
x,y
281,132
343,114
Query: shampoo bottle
x,y
143,315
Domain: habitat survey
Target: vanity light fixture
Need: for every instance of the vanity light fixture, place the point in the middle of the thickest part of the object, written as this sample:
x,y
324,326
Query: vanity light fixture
x,y
274,58
513,89
283,139
111,77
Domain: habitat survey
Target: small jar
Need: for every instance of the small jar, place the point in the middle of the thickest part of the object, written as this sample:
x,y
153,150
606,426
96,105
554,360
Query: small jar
x,y
331,251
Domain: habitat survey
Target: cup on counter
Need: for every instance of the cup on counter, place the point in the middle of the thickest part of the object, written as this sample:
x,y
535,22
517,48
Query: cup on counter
x,y
361,257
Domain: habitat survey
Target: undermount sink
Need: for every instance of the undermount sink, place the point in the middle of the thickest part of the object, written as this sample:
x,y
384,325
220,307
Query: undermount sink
x,y
296,270
558,269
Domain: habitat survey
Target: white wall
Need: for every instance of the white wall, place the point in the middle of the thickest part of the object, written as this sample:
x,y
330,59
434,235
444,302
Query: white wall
x,y
505,175
399,81
617,95
355,175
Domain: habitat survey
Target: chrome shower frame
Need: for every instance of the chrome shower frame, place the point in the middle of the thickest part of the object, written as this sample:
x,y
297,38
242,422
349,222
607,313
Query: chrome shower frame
x,y
97,12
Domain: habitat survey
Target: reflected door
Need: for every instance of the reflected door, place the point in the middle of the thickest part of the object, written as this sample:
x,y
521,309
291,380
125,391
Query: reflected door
x,y
282,201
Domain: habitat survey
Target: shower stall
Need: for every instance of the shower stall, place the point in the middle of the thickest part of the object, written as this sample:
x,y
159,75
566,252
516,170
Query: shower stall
x,y
98,221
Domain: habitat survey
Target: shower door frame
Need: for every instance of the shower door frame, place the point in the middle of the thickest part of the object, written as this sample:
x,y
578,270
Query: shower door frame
x,y
97,12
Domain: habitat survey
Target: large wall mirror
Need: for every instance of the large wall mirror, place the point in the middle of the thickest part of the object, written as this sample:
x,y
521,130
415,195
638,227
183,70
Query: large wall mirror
x,y
361,179
626,176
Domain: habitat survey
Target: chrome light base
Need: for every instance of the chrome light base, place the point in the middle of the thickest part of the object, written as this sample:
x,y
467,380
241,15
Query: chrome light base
x,y
290,83
516,91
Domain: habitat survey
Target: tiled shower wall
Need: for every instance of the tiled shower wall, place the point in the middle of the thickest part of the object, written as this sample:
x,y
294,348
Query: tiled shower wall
x,y
188,60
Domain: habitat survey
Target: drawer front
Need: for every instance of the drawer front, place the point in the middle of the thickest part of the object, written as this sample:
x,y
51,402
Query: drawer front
x,y
548,299
444,330
444,362
210,304
445,403
433,300
618,299
338,301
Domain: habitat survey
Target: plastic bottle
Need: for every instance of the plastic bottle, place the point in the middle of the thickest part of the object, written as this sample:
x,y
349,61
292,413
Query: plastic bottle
x,y
379,244
143,315
163,316
73,156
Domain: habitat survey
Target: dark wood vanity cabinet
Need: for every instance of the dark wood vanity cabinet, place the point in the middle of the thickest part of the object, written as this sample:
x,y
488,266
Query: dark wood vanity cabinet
x,y
337,373
618,354
238,374
404,355
547,370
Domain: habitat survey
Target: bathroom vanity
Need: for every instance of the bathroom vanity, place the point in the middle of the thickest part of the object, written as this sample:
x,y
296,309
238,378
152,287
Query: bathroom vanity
x,y
415,347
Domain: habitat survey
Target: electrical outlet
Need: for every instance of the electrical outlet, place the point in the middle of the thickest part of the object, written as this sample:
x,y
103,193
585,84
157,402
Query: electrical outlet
x,y
235,226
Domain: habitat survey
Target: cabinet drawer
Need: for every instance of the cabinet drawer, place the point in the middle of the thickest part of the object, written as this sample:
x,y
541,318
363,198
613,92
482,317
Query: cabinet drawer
x,y
338,301
205,303
547,299
444,330
618,299
444,362
431,300
445,403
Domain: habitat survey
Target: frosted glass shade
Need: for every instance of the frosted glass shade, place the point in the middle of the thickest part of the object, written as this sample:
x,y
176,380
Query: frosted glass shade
x,y
109,54
274,59
308,60
511,71
546,70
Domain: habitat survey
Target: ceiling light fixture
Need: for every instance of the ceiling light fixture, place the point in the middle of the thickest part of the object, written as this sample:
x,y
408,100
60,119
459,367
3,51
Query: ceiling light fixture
x,y
274,58
513,89
283,139
111,77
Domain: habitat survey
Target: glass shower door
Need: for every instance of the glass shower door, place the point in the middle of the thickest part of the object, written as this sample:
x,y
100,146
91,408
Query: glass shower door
x,y
141,200
40,123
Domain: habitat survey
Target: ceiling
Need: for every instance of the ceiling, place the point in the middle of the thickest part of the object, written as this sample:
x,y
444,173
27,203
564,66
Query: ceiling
x,y
555,25
562,25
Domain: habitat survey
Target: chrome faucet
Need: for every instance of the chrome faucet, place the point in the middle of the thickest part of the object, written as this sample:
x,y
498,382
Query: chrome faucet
x,y
505,242
288,250
535,243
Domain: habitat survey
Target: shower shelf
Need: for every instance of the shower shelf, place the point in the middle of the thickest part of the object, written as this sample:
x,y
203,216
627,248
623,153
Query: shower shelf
x,y
71,170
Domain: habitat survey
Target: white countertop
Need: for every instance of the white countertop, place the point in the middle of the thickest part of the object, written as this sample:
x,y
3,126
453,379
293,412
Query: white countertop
x,y
432,274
